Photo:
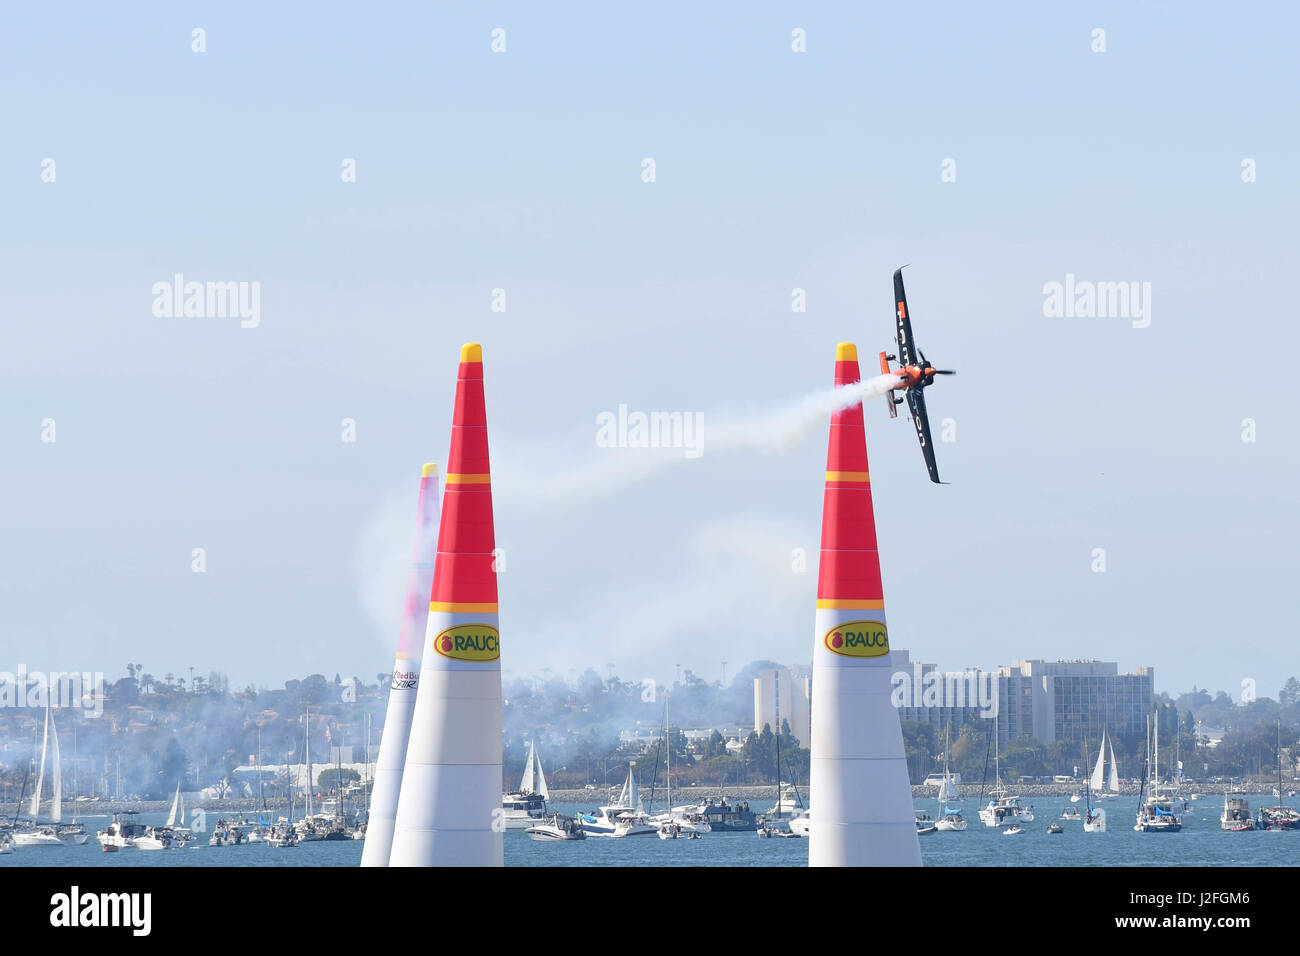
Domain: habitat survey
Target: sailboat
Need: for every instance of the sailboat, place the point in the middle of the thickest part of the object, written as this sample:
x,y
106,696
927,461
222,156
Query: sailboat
x,y
1003,809
1157,815
947,789
177,815
1099,783
778,825
676,822
1094,821
527,806
624,818
35,833
1280,817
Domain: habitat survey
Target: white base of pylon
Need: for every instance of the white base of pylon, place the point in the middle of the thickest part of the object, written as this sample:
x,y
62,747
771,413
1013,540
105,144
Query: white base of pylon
x,y
859,785
449,812
388,768
864,844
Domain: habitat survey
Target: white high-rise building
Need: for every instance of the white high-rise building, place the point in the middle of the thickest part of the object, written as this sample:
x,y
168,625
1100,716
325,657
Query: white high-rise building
x,y
784,694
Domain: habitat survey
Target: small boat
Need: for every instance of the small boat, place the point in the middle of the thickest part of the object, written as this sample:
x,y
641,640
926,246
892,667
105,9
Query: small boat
x,y
73,834
560,827
670,831
802,823
1012,830
526,806
777,829
1071,813
282,837
1157,814
1236,816
6,844
37,836
950,821
122,832
1055,827
924,824
1075,798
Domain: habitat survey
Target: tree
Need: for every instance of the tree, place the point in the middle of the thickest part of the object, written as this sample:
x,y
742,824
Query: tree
x,y
330,779
1289,695
715,746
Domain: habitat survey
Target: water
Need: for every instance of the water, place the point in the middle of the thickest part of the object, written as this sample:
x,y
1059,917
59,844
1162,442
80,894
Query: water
x,y
1200,843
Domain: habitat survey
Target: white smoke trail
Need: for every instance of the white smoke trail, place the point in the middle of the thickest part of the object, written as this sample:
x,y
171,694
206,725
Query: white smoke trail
x,y
778,430
613,468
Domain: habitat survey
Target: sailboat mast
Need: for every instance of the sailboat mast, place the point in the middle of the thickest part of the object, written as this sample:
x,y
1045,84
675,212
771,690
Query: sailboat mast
x,y
1280,801
1155,780
778,771
307,756
668,767
261,790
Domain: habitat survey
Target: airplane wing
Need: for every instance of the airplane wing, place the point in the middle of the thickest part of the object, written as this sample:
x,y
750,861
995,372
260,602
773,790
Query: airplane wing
x,y
903,323
916,402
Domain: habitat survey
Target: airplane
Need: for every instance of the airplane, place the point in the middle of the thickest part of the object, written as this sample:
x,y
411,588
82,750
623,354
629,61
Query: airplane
x,y
914,373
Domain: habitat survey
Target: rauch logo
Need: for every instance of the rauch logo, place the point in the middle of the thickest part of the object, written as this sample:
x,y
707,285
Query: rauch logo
x,y
858,639
469,642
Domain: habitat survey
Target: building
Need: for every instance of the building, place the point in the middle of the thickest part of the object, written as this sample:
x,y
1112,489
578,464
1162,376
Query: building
x,y
785,694
1072,700
1046,700
924,694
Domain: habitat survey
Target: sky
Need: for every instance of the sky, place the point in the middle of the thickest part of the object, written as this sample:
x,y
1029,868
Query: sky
x,y
995,151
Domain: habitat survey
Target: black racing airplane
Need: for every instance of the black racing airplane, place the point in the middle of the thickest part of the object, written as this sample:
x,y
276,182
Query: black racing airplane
x,y
914,373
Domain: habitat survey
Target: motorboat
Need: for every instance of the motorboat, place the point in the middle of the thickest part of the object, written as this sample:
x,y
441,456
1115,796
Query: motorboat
x,y
1005,810
670,831
282,836
1278,818
1236,815
1012,830
777,828
1055,827
73,834
559,827
801,824
728,817
122,831
1071,813
925,823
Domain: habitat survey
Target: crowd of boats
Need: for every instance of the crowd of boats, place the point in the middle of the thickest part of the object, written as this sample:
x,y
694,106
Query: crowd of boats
x,y
626,815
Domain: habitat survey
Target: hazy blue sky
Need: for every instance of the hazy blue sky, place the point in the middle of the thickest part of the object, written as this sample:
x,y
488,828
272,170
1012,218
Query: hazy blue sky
x,y
522,170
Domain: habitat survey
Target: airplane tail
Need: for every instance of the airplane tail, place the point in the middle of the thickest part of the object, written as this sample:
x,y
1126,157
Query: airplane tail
x,y
890,401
